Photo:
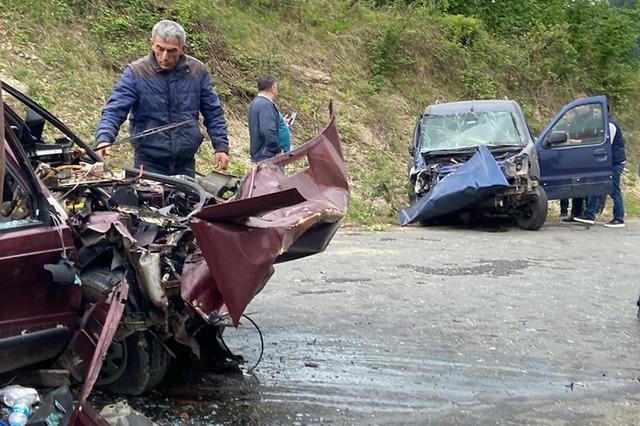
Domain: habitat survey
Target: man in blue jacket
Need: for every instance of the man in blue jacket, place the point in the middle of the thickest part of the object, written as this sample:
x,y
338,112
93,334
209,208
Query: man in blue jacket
x,y
163,88
264,121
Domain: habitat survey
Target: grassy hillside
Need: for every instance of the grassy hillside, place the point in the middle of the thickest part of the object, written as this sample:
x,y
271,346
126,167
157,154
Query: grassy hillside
x,y
381,66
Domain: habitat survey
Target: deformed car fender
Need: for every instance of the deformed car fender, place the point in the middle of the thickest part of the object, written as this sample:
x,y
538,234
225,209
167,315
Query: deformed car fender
x,y
273,217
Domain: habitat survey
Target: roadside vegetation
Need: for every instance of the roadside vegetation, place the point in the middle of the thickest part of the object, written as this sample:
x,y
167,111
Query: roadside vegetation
x,y
381,61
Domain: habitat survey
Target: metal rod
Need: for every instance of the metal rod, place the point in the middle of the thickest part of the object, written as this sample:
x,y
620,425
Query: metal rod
x,y
154,130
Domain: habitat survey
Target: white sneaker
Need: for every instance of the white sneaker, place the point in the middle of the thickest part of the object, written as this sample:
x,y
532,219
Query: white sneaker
x,y
584,219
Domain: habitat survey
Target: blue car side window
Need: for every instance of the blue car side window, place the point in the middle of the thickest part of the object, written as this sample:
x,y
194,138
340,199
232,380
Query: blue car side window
x,y
583,125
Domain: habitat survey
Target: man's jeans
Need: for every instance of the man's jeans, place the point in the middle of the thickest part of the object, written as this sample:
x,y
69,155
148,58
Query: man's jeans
x,y
618,202
165,167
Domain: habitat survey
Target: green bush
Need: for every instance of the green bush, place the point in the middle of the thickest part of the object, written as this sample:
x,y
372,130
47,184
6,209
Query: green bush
x,y
463,30
387,54
478,85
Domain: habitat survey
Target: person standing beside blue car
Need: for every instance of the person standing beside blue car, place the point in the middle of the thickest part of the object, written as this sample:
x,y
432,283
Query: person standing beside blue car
x,y
618,158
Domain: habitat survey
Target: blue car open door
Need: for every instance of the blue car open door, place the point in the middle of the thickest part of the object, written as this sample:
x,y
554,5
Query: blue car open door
x,y
574,151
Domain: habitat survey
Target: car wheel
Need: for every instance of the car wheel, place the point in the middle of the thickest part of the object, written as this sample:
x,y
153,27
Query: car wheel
x,y
135,364
534,213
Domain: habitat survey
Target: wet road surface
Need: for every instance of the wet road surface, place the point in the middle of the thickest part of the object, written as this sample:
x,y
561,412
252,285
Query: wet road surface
x,y
440,326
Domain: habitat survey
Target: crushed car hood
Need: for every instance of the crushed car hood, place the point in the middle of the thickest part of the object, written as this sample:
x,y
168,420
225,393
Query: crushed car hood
x,y
274,217
472,181
453,159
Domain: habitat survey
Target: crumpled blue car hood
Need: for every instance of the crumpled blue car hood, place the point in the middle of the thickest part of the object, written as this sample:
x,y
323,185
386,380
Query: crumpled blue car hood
x,y
476,179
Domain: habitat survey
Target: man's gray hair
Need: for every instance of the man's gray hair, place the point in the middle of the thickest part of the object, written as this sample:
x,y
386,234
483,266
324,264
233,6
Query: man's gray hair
x,y
169,30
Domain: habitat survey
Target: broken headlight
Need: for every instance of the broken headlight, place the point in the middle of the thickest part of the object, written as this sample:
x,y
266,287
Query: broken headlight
x,y
516,166
423,183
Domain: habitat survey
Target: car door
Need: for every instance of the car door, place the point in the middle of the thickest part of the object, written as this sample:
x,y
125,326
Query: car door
x,y
574,151
37,314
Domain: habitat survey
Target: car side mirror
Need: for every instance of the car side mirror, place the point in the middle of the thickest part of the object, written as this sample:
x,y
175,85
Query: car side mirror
x,y
557,138
412,150
35,123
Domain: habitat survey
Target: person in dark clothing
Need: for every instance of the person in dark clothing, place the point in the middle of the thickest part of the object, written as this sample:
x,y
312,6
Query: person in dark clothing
x,y
163,88
577,209
580,125
618,158
264,120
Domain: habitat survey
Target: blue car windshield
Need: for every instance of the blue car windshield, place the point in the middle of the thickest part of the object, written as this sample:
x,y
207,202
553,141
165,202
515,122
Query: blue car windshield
x,y
470,129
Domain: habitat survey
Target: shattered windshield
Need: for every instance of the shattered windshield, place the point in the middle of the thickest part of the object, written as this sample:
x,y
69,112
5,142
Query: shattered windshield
x,y
470,129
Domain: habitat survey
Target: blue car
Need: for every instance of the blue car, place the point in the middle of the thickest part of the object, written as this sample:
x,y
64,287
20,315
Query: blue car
x,y
479,158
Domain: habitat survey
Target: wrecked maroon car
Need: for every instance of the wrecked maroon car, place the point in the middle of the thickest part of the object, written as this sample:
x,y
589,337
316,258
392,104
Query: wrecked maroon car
x,y
137,268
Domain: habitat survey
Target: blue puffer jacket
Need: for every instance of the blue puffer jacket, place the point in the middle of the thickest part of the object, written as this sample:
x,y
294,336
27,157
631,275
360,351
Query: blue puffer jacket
x,y
156,97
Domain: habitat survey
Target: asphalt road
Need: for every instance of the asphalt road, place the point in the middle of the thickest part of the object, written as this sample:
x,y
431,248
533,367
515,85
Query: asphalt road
x,y
438,326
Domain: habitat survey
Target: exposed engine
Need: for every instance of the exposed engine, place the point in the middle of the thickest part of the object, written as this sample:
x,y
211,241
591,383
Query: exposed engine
x,y
516,169
129,225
